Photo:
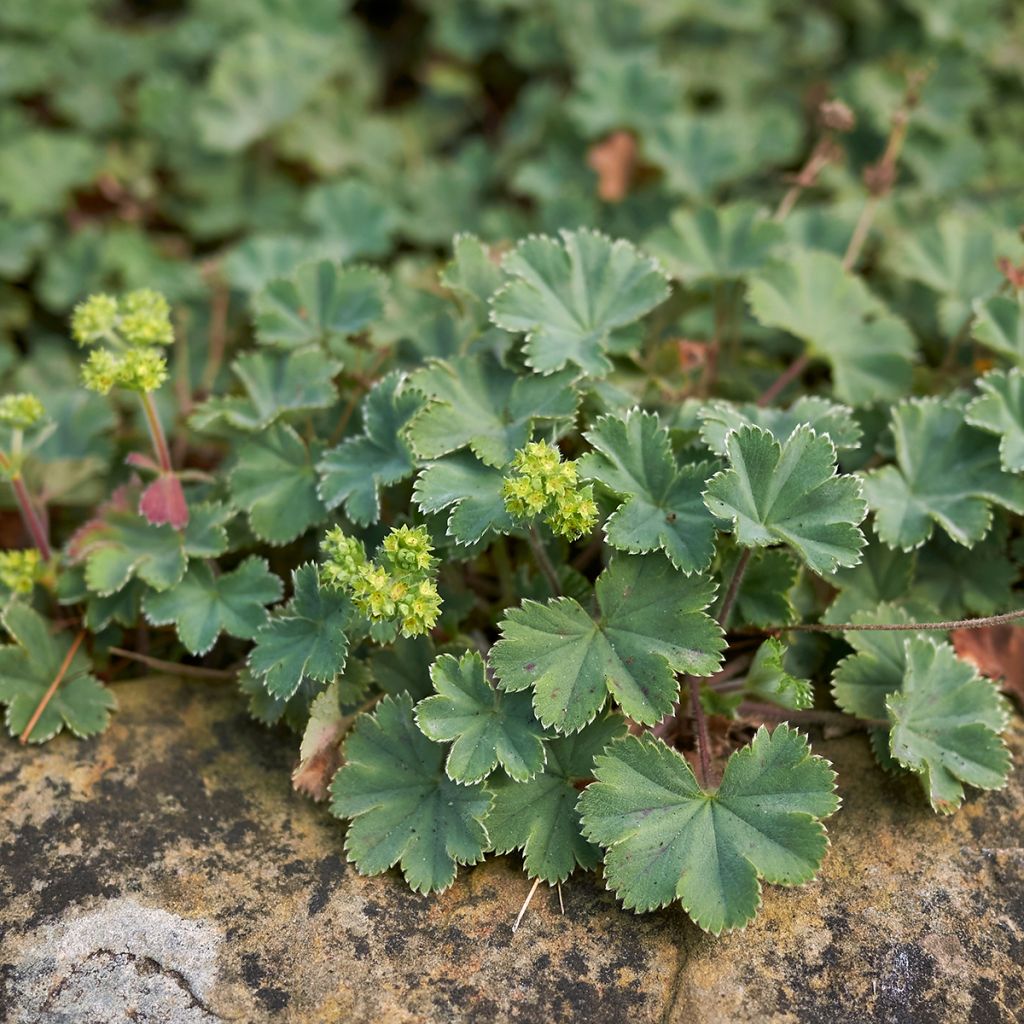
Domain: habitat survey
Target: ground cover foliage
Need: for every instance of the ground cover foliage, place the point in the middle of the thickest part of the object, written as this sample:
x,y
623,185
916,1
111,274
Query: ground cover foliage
x,y
548,415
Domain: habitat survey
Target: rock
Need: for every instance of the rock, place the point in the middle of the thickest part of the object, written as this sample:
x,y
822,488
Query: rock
x,y
166,872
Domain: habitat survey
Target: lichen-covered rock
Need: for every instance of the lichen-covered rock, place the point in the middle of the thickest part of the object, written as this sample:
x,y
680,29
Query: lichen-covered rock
x,y
165,872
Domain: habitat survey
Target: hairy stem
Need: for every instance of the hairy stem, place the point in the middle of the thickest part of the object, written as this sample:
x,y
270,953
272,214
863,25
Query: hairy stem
x,y
734,588
31,518
700,727
544,562
156,432
900,627
753,709
52,689
174,668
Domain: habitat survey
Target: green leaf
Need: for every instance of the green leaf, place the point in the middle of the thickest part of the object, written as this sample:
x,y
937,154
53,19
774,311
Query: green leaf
x,y
472,274
667,838
569,297
718,418
884,574
276,384
954,256
404,809
473,492
540,817
764,598
354,473
475,401
811,296
119,544
768,680
663,509
946,722
947,473
260,80
651,627
321,303
725,243
485,726
29,666
39,169
789,493
999,325
404,666
274,481
999,409
202,605
306,638
353,217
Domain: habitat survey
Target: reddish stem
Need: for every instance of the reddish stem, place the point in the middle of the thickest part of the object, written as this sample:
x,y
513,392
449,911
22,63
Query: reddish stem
x,y
57,679
33,523
701,727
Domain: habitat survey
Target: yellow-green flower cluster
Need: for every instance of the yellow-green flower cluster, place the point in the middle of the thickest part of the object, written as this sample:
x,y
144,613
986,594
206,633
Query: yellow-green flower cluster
x,y
133,328
20,410
345,556
19,570
400,590
540,483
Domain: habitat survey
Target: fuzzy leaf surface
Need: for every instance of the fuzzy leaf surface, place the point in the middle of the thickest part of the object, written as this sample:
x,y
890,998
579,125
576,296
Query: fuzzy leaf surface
x,y
354,473
404,808
651,625
476,402
946,721
568,297
81,703
306,638
540,816
485,726
789,493
999,409
667,838
663,508
202,606
473,492
947,472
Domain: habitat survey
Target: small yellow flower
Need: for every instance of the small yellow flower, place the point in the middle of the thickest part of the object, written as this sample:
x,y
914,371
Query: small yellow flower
x,y
20,410
146,318
93,319
101,371
19,570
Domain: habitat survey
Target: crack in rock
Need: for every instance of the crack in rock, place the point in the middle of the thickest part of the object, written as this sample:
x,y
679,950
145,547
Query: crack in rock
x,y
121,962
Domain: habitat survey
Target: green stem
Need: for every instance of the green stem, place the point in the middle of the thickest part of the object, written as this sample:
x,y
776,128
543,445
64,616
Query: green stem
x,y
734,588
544,563
503,567
156,432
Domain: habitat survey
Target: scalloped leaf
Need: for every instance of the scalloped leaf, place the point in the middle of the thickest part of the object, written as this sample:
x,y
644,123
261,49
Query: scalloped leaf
x,y
276,384
789,493
667,838
999,409
999,325
473,492
403,807
485,726
321,302
569,297
767,679
354,473
811,296
946,472
476,402
274,481
724,243
651,626
946,725
202,606
540,817
305,638
29,666
663,508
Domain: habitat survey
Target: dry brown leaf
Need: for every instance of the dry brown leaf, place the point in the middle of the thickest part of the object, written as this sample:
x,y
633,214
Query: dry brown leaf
x,y
996,652
614,160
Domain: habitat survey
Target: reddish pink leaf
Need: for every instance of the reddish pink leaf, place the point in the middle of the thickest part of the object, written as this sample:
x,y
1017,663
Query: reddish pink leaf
x,y
163,501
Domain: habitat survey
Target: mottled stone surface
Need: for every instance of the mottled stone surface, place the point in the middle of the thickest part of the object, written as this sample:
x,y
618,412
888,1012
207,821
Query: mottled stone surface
x,y
164,872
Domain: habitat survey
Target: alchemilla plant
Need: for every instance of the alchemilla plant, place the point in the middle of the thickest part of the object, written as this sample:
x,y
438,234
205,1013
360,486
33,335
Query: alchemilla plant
x,y
563,546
